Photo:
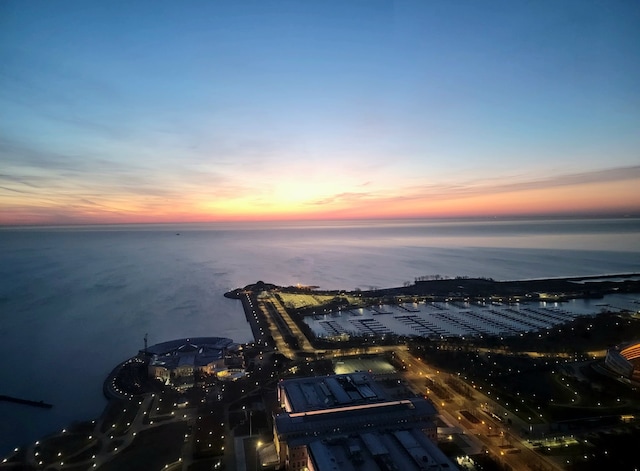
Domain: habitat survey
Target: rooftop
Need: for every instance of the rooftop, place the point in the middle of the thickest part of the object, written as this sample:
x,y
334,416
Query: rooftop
x,y
326,392
398,450
189,344
415,411
199,351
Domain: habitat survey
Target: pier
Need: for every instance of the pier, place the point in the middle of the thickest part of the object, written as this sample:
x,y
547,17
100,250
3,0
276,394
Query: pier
x,y
25,402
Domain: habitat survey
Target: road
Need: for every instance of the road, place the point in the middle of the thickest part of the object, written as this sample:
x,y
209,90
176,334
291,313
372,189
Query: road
x,y
498,438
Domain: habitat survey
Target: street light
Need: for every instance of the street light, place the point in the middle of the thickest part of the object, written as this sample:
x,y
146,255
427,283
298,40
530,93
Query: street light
x,y
258,444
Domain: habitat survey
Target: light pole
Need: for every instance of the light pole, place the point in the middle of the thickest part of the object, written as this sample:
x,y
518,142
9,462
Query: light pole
x,y
258,444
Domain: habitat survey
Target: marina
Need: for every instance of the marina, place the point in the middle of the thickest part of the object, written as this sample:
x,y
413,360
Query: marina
x,y
461,319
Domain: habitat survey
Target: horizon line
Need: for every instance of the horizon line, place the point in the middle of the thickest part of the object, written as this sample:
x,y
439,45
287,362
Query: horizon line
x,y
514,217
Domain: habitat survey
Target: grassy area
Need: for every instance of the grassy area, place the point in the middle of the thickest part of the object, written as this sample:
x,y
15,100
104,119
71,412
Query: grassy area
x,y
118,414
582,335
606,451
205,464
78,467
561,385
151,449
167,401
15,460
534,389
87,453
63,447
296,301
209,434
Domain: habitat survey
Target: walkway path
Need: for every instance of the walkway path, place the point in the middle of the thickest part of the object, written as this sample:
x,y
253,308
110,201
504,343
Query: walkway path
x,y
107,449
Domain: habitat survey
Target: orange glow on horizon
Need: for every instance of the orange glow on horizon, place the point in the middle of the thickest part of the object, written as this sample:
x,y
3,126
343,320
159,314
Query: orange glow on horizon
x,y
617,198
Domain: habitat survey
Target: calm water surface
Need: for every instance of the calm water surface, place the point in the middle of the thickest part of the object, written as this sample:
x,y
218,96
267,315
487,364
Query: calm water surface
x,y
76,301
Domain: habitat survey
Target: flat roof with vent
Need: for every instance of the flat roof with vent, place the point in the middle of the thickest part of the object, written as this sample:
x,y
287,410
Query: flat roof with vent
x,y
327,392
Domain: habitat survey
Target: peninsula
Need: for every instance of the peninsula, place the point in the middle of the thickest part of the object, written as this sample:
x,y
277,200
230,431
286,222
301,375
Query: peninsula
x,y
505,374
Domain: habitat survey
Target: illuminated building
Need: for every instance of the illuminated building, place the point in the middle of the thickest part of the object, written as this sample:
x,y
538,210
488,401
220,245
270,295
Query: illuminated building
x,y
625,361
177,360
343,422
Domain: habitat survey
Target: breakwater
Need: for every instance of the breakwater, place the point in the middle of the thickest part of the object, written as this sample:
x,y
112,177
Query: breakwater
x,y
26,402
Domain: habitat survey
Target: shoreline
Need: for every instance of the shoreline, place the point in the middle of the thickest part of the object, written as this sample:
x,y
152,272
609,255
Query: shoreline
x,y
259,319
574,287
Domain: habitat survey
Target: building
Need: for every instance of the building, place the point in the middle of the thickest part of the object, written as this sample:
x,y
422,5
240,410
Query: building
x,y
177,361
344,422
624,361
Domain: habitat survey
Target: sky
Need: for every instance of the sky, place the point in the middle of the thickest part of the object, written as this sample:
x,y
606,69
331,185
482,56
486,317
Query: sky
x,y
165,111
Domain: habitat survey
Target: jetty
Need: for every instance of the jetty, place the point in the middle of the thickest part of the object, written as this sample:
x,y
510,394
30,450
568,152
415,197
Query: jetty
x,y
26,402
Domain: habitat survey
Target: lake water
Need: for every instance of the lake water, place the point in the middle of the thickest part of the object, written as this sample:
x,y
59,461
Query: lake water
x,y
76,301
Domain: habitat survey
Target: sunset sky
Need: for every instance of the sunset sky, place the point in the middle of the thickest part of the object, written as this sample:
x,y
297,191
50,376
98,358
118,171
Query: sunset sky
x,y
157,111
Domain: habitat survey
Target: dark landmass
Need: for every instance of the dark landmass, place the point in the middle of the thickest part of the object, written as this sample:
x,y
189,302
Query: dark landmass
x,y
258,286
463,287
480,287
